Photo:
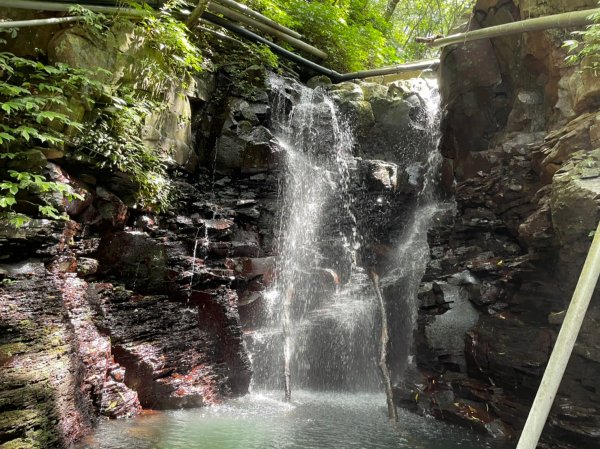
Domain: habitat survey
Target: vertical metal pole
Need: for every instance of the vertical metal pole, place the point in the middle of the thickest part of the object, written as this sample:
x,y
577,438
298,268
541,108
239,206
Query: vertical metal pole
x,y
562,348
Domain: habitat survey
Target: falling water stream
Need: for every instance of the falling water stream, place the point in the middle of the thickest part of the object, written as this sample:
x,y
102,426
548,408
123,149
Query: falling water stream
x,y
317,336
317,326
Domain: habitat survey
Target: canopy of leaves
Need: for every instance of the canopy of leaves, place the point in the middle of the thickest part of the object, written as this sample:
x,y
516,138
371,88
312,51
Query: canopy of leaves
x,y
356,34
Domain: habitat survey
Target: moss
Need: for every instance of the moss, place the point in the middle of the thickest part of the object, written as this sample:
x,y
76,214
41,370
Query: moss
x,y
20,443
18,421
27,324
11,349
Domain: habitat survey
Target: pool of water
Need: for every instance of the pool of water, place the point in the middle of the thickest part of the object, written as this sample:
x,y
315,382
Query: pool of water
x,y
313,420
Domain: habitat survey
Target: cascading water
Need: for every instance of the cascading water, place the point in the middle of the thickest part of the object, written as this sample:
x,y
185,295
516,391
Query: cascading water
x,y
320,324
412,252
318,321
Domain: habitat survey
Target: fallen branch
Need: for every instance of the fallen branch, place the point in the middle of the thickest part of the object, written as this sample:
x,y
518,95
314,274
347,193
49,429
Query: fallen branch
x,y
287,345
383,344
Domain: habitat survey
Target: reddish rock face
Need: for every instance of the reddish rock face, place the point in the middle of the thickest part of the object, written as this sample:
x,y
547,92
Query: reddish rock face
x,y
174,355
55,364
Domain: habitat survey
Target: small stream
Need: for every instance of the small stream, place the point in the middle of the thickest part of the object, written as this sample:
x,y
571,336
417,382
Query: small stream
x,y
313,420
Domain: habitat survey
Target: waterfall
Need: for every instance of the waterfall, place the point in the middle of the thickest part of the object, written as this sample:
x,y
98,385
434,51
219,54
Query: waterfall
x,y
319,322
318,316
412,253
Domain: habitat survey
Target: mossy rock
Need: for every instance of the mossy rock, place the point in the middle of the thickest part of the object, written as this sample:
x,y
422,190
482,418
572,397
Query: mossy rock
x,y
32,160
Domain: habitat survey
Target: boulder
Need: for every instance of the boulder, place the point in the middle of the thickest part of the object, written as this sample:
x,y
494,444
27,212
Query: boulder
x,y
346,91
379,175
575,206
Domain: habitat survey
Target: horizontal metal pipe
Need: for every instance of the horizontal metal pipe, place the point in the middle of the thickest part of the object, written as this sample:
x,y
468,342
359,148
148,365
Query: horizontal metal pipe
x,y
258,16
53,6
241,18
400,68
38,22
563,20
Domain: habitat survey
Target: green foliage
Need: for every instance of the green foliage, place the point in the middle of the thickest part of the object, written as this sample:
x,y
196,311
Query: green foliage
x,y
175,56
95,23
355,34
112,142
244,65
586,47
34,111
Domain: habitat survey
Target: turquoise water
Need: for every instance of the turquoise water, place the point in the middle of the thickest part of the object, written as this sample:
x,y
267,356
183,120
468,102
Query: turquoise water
x,y
314,420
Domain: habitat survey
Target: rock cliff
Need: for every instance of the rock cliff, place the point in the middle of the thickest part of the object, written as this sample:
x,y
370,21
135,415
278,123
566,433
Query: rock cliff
x,y
519,136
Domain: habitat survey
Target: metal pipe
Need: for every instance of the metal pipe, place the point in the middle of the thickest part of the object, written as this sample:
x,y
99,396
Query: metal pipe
x,y
334,75
274,47
408,67
563,347
52,6
563,20
38,22
297,43
258,16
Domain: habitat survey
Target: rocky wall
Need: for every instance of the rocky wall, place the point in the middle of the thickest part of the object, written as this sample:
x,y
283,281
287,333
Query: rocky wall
x,y
519,135
118,309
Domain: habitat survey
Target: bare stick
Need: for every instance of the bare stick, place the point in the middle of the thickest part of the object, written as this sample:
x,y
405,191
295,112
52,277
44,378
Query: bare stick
x,y
383,344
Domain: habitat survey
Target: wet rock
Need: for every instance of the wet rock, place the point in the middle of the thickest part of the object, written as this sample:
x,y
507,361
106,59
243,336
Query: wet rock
x,y
175,356
37,237
118,400
359,113
87,266
390,112
444,333
107,211
52,362
32,160
250,268
145,223
247,149
373,90
136,257
346,91
27,267
318,81
379,175
493,349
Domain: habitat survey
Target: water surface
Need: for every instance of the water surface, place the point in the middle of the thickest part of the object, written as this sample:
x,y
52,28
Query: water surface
x,y
314,420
